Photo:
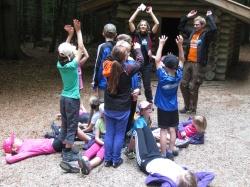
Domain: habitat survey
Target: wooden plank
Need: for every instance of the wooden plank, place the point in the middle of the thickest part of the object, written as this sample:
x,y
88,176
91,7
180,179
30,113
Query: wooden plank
x,y
240,11
94,5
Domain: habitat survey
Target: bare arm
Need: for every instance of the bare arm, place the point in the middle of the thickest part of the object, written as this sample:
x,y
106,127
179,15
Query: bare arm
x,y
97,137
85,57
77,26
162,41
179,42
70,30
156,22
131,20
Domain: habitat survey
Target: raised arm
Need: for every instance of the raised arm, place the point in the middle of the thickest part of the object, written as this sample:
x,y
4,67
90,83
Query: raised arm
x,y
132,18
212,29
80,50
183,22
70,30
85,57
156,22
179,42
162,41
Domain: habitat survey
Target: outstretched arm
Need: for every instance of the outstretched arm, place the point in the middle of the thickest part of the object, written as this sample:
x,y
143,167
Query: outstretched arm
x,y
183,22
211,24
162,41
70,30
85,57
179,42
132,18
77,26
156,22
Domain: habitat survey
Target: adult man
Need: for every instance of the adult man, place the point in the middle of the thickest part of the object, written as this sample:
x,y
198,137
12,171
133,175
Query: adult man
x,y
196,56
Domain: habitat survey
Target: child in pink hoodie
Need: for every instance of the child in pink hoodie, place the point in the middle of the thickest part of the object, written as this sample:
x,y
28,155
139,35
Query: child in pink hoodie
x,y
17,149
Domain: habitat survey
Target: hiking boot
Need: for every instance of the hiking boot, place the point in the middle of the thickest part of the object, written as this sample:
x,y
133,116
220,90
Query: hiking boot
x,y
169,155
108,163
84,166
70,167
182,143
184,110
117,164
69,156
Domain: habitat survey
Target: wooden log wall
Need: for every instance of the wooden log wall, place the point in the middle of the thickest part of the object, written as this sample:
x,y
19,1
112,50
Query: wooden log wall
x,y
223,51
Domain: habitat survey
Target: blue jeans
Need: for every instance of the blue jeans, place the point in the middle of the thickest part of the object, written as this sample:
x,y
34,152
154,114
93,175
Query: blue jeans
x,y
116,124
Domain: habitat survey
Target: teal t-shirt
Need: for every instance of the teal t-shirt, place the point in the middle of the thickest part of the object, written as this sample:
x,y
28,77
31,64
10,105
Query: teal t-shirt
x,y
70,79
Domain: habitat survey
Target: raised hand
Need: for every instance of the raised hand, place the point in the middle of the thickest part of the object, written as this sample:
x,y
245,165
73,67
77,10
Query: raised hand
x,y
192,13
149,10
209,12
137,45
179,40
77,24
162,40
69,29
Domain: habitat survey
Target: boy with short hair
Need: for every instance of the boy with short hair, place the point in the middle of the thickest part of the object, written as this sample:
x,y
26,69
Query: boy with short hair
x,y
68,60
103,51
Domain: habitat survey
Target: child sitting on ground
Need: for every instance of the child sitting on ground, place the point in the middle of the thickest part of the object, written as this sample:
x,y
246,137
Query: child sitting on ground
x,y
95,154
193,130
17,149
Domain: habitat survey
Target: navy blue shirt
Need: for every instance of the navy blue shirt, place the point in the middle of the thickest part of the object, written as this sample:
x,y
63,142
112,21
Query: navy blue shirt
x,y
166,93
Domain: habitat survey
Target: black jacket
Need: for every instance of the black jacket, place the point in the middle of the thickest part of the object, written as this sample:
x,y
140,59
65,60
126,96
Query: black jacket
x,y
205,38
122,100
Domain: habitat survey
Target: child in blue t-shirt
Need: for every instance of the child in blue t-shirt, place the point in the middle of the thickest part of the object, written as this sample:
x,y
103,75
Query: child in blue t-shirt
x,y
169,72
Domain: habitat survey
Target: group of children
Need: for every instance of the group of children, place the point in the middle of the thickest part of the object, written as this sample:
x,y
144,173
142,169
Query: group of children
x,y
117,83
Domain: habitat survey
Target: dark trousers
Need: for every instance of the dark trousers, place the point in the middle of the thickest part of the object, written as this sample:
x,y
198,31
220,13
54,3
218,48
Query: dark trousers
x,y
146,79
69,109
193,75
145,147
131,115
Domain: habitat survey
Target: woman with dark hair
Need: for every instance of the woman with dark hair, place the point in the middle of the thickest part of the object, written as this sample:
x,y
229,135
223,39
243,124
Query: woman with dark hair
x,y
117,100
144,35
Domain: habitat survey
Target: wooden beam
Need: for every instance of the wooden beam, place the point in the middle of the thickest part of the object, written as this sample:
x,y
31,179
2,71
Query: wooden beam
x,y
94,5
238,10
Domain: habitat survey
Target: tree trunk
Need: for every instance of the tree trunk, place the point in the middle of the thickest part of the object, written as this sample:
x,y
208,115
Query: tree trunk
x,y
10,44
37,29
56,25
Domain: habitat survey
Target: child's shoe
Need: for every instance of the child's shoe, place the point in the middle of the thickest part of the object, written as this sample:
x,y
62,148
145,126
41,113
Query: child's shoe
x,y
182,143
70,167
69,156
170,155
117,164
108,163
129,154
84,165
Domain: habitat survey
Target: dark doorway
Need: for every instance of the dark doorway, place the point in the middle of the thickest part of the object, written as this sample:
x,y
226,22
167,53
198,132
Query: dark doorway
x,y
169,28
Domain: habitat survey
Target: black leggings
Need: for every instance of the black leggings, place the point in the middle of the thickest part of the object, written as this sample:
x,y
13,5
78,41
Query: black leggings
x,y
145,147
58,145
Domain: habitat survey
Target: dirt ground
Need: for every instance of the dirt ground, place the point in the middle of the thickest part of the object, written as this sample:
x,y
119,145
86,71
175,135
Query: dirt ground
x,y
29,100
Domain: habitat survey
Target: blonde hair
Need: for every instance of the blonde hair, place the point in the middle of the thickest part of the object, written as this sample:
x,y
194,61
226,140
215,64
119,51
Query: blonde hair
x,y
201,20
187,179
124,37
201,123
124,43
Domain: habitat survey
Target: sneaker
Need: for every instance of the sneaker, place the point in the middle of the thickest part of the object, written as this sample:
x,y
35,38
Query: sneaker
x,y
117,164
84,165
182,143
175,152
129,154
108,163
184,110
70,167
69,155
169,155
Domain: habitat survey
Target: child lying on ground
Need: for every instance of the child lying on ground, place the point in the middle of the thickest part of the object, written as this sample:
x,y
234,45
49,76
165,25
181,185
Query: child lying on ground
x,y
162,170
17,149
